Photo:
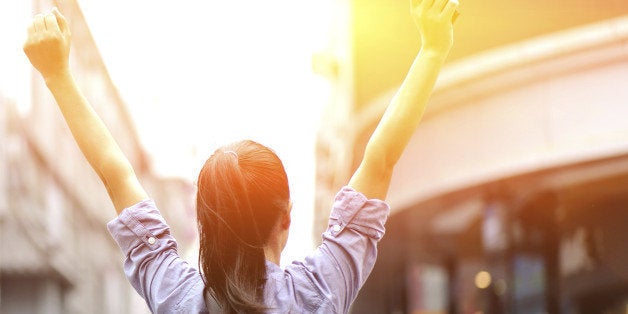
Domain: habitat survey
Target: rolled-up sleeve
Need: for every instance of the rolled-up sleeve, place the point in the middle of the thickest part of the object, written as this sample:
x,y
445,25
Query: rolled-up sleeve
x,y
152,264
342,263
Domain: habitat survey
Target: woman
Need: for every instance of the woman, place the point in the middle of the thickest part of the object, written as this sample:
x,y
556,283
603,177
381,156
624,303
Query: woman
x,y
243,201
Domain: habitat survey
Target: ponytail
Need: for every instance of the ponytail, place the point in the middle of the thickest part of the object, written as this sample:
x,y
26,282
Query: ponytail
x,y
242,190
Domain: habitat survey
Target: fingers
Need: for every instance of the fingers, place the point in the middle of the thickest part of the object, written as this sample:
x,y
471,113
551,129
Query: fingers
x,y
450,10
38,23
422,4
63,24
427,3
31,30
455,16
51,23
438,6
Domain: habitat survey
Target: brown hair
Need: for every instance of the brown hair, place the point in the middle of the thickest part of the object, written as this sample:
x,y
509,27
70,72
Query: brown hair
x,y
242,191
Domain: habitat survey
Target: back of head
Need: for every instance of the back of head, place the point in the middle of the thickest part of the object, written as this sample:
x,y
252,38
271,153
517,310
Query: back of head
x,y
242,192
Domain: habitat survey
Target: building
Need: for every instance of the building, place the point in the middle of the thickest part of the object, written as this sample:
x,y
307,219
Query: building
x,y
56,255
511,197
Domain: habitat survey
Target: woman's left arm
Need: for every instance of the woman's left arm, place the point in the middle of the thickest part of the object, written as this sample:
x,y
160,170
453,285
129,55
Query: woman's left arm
x,y
48,49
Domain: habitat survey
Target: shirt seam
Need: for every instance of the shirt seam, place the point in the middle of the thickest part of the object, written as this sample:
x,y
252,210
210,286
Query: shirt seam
x,y
320,294
185,294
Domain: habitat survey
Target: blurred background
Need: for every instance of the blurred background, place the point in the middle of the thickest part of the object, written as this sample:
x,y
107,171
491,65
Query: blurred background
x,y
512,197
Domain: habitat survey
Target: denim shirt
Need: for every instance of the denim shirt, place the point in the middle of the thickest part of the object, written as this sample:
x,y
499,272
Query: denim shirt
x,y
326,281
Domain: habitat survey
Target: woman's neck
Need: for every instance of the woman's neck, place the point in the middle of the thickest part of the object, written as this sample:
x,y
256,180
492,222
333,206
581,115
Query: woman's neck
x,y
272,255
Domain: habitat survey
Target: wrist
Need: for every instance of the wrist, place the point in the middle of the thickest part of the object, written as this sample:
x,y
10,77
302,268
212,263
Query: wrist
x,y
435,54
57,76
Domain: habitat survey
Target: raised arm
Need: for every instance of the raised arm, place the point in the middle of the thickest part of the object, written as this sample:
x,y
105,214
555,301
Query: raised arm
x,y
434,19
48,49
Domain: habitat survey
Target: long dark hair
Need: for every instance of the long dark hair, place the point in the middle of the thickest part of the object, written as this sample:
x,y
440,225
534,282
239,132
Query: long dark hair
x,y
242,190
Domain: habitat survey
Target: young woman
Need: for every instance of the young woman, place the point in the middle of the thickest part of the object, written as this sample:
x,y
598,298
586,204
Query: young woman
x,y
243,201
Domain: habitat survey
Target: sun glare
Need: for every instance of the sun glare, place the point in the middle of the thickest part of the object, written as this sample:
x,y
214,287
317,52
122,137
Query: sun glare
x,y
199,74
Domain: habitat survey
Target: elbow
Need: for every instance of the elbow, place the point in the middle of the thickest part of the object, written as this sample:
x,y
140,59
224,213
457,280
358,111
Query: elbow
x,y
112,171
381,164
379,169
373,176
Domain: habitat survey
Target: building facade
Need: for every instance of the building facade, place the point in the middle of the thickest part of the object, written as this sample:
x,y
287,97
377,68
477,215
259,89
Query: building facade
x,y
511,196
56,255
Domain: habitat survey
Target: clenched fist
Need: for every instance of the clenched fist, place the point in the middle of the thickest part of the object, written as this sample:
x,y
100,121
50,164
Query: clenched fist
x,y
435,19
48,44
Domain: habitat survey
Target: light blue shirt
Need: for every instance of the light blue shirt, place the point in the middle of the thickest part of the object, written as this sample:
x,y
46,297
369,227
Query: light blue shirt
x,y
327,281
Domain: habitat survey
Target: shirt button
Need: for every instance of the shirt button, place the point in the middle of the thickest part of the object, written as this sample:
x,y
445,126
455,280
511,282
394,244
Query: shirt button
x,y
335,228
151,240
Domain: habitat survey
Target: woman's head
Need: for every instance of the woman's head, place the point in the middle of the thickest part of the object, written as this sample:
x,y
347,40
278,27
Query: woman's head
x,y
242,198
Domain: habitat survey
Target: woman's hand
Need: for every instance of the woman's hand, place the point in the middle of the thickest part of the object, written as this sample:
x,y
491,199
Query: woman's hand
x,y
435,19
48,44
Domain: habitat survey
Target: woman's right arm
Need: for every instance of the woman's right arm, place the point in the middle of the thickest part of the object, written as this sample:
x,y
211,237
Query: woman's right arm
x,y
340,266
48,49
434,19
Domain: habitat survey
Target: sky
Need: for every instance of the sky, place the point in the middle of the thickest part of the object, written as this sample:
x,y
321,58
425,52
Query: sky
x,y
200,74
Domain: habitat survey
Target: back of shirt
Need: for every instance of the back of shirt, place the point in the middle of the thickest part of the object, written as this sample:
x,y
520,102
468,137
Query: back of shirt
x,y
327,281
